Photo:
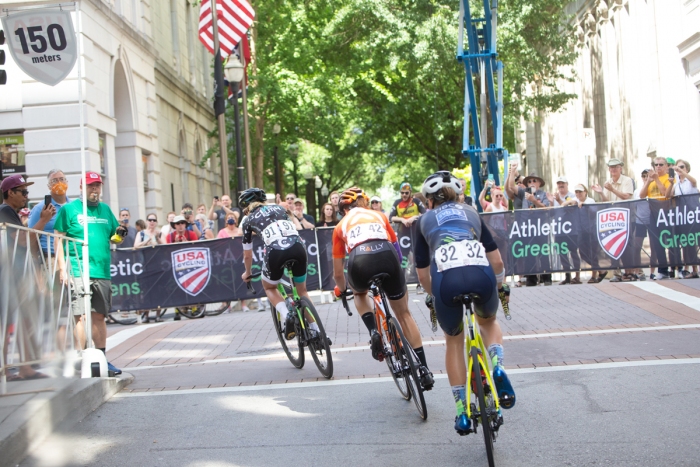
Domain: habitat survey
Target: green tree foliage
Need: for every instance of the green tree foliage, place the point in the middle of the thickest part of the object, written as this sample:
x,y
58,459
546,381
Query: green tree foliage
x,y
375,83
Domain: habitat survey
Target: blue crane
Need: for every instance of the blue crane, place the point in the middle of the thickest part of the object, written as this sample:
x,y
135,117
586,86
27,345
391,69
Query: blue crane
x,y
481,59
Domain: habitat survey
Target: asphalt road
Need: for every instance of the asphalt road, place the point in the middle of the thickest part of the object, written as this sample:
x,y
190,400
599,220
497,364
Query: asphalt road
x,y
626,416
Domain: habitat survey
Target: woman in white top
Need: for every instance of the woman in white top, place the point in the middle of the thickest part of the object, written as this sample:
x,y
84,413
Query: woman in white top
x,y
166,229
684,185
498,200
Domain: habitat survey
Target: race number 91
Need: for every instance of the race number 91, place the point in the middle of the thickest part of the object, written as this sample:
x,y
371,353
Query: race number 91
x,y
39,40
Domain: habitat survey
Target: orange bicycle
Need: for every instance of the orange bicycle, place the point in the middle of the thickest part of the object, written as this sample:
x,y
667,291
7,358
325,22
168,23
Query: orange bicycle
x,y
400,357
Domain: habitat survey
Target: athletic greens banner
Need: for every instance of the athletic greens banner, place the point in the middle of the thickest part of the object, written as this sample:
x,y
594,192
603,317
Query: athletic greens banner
x,y
628,234
193,273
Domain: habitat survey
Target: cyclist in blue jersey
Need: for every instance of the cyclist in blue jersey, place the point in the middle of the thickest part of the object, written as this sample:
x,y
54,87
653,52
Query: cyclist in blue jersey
x,y
471,265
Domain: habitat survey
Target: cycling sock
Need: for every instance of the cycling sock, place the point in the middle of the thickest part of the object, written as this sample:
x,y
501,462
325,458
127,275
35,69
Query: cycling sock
x,y
369,321
496,354
421,355
281,308
460,395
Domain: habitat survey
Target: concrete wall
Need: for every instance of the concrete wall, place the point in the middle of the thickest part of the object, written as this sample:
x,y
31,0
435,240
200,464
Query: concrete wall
x,y
638,88
146,108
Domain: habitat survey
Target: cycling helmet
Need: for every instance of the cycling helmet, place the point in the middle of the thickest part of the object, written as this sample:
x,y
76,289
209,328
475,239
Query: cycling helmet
x,y
440,179
351,195
251,195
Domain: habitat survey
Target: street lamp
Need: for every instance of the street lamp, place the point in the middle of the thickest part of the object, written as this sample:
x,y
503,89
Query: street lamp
x,y
276,128
294,152
234,74
310,193
318,183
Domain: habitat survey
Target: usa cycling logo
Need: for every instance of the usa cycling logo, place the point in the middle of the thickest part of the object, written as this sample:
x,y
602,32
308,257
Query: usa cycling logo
x,y
192,269
613,230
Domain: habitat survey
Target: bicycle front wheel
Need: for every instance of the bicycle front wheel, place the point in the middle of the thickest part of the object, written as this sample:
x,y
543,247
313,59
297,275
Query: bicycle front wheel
x,y
318,343
191,312
411,367
293,348
214,309
484,408
397,365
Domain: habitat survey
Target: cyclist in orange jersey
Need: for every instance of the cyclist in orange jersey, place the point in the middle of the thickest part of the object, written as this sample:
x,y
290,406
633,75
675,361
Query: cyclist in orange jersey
x,y
367,237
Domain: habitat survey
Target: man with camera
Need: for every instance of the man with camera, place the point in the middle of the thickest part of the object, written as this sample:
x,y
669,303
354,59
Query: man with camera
x,y
188,213
124,217
220,209
103,230
657,187
532,197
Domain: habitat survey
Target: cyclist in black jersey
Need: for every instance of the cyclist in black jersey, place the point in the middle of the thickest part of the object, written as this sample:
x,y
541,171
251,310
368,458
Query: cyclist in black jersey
x,y
278,230
456,254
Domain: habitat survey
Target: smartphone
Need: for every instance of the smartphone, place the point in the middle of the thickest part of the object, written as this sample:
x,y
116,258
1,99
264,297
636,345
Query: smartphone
x,y
47,200
671,173
532,190
216,198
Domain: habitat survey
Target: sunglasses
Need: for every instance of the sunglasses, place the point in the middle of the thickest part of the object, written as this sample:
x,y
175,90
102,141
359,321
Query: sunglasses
x,y
498,196
681,167
659,165
22,192
180,223
405,192
152,220
375,202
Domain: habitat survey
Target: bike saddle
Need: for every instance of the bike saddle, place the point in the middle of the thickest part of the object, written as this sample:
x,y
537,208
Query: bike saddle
x,y
467,298
378,278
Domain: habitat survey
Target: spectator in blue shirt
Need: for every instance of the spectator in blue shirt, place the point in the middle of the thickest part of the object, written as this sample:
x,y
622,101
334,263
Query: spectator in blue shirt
x,y
58,186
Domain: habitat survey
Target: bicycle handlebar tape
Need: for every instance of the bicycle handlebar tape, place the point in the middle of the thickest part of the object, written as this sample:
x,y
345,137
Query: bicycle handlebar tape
x,y
504,292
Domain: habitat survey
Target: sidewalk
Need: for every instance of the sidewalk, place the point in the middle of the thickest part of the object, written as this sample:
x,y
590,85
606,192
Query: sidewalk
x,y
31,410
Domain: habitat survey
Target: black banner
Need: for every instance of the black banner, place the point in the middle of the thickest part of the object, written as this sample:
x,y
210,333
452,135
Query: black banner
x,y
628,234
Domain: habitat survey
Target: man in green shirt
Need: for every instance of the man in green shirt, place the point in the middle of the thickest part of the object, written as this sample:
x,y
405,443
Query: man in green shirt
x,y
102,226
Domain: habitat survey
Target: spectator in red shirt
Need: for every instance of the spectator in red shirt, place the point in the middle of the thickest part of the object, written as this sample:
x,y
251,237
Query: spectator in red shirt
x,y
180,233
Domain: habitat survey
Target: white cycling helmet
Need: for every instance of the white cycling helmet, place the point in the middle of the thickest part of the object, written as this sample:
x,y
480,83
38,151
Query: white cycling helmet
x,y
440,179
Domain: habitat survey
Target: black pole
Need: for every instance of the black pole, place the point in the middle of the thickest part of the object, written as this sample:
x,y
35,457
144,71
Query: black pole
x,y
275,160
296,185
240,170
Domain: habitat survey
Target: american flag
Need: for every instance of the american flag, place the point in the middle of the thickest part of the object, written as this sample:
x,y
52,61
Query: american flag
x,y
234,18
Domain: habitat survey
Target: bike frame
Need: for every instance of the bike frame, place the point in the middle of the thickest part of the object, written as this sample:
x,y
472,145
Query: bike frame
x,y
381,311
295,295
473,339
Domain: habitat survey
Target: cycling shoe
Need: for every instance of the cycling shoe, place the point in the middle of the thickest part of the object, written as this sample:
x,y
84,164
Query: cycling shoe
x,y
289,332
426,378
506,395
375,343
462,425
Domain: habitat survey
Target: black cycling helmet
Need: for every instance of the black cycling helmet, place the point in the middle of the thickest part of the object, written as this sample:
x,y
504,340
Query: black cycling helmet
x,y
436,181
251,195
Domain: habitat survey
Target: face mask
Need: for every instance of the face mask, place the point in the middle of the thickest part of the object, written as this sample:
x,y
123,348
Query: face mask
x,y
125,221
231,222
59,188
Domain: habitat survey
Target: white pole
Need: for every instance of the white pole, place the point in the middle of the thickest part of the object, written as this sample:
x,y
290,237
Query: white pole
x,y
85,248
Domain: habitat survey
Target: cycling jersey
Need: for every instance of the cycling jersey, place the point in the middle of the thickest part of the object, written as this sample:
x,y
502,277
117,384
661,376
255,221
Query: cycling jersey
x,y
282,242
453,240
358,226
407,209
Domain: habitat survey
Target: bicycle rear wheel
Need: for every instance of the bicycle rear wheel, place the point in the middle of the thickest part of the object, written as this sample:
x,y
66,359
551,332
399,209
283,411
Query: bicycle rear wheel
x,y
124,317
411,367
318,344
484,408
214,309
293,348
191,312
394,362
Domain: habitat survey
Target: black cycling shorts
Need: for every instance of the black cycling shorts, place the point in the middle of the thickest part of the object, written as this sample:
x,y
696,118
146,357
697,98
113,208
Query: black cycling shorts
x,y
462,280
372,258
276,259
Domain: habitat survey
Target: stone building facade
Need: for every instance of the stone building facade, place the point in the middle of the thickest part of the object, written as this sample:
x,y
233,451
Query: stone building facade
x,y
638,93
147,91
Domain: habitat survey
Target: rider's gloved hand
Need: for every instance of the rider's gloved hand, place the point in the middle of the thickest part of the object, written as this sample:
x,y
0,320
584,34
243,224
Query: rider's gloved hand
x,y
337,292
504,296
429,302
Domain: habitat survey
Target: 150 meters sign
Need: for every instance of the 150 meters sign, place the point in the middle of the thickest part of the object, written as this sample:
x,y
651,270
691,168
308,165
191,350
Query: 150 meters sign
x,y
42,43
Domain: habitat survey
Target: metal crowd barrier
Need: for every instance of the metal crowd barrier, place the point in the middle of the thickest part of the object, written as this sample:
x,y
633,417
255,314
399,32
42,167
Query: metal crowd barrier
x,y
36,324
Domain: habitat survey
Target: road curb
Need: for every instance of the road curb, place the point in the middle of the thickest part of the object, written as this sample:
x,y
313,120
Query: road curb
x,y
28,426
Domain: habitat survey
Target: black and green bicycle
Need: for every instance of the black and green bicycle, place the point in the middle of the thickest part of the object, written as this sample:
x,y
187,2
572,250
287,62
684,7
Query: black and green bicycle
x,y
304,313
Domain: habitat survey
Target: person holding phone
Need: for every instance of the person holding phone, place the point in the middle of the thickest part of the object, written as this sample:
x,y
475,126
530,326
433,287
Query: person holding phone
x,y
57,198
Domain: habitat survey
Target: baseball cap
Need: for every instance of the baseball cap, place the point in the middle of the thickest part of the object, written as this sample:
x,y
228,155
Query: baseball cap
x,y
613,162
14,181
92,177
580,187
375,198
562,180
405,185
298,200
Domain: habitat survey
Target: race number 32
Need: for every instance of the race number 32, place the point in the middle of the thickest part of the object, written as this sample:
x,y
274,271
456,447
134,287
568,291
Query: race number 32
x,y
39,40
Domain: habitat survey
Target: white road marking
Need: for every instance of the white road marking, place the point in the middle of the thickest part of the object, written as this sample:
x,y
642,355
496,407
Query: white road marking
x,y
669,294
122,336
426,343
345,382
